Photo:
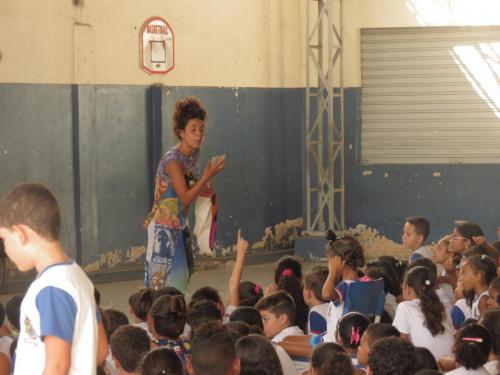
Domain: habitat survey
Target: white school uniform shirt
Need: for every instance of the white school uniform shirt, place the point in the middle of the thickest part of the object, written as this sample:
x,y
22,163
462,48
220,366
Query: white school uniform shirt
x,y
5,343
60,302
390,305
421,252
446,295
410,320
492,367
463,371
316,324
476,314
290,331
286,362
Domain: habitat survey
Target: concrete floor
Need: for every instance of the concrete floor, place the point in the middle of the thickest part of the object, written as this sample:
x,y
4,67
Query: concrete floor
x,y
115,295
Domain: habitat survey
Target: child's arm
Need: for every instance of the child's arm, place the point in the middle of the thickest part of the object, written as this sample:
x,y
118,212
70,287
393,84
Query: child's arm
x,y
57,356
234,281
297,346
483,304
335,266
102,344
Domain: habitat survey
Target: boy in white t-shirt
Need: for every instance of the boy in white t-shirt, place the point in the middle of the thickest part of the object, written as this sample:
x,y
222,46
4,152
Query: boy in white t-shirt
x,y
318,308
278,316
60,332
415,233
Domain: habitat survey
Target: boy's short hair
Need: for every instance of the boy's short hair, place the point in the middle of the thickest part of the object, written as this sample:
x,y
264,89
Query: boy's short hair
x,y
421,224
112,319
203,309
247,314
32,205
377,331
278,303
392,355
314,281
212,349
13,310
205,293
128,345
141,301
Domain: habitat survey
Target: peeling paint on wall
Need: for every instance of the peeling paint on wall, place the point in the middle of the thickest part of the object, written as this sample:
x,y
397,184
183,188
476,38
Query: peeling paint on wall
x,y
376,245
281,236
115,258
277,237
367,173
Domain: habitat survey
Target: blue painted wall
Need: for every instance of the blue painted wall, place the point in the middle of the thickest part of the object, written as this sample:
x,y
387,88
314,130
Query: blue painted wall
x,y
258,129
462,192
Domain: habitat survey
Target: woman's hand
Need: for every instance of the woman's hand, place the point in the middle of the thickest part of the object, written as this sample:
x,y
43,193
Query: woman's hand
x,y
212,169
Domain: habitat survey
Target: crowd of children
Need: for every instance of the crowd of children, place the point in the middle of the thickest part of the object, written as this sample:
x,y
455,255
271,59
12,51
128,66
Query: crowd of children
x,y
441,310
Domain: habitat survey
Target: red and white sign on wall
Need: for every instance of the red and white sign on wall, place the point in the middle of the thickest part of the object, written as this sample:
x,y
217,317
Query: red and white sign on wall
x,y
157,46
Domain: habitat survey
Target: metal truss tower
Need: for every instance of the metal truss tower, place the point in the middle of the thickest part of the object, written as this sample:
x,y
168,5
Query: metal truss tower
x,y
324,117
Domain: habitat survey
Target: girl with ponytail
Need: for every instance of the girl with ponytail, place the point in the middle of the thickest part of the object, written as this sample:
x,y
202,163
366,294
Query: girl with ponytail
x,y
288,277
166,321
422,317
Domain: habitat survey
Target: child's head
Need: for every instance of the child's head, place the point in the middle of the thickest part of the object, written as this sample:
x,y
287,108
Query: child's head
x,y
442,251
168,291
462,236
13,311
28,213
287,266
349,250
472,346
202,310
213,351
350,329
161,361
424,262
337,364
128,345
249,293
240,329
426,360
374,332
278,312
313,285
323,354
420,282
112,319
247,314
490,319
415,232
140,302
494,293
477,271
258,356
391,268
392,355
210,294
167,317
288,277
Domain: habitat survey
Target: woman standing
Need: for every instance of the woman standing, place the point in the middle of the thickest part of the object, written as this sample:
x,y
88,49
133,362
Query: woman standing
x,y
177,185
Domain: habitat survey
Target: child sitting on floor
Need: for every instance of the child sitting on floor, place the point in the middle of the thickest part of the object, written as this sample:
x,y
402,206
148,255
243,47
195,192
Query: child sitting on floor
x,y
278,316
318,308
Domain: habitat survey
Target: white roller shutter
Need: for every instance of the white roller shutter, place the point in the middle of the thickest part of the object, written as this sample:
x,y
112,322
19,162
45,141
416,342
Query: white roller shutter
x,y
430,95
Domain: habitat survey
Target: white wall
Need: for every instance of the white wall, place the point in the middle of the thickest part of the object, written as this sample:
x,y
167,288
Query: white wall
x,y
360,14
248,43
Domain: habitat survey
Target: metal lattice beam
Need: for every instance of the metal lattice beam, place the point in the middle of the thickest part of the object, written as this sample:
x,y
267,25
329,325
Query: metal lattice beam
x,y
324,117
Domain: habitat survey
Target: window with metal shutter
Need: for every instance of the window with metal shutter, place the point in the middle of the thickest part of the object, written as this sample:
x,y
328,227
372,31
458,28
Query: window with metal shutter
x,y
430,95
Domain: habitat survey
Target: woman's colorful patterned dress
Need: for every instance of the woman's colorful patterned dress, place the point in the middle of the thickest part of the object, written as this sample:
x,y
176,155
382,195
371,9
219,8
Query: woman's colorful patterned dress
x,y
166,263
